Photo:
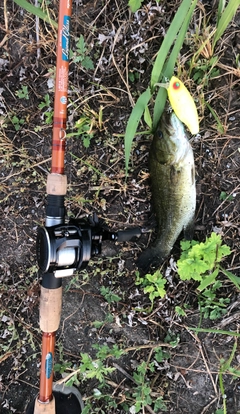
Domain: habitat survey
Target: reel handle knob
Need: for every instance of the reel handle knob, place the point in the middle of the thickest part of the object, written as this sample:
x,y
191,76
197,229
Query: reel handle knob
x,y
128,234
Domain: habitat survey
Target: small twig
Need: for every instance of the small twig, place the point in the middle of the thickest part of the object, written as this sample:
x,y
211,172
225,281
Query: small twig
x,y
37,33
5,15
118,69
224,201
209,405
73,313
37,164
125,373
152,346
205,361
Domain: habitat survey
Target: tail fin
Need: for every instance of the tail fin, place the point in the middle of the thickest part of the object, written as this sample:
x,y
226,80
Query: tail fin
x,y
150,257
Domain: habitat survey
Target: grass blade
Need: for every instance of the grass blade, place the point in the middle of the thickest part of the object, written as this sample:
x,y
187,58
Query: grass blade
x,y
225,19
133,122
169,39
159,106
220,127
36,11
169,66
234,279
221,7
215,331
178,27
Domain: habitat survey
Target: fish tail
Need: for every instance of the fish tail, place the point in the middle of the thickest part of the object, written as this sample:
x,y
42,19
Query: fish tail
x,y
150,257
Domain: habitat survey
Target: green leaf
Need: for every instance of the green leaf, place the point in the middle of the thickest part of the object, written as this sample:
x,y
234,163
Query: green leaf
x,y
180,21
135,5
81,48
87,63
170,63
215,331
159,106
208,280
160,405
169,39
86,141
225,19
234,279
109,295
147,117
210,251
220,126
191,268
98,324
180,311
224,196
133,122
36,11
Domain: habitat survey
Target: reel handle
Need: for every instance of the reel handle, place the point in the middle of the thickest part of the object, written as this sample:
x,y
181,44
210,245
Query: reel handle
x,y
128,234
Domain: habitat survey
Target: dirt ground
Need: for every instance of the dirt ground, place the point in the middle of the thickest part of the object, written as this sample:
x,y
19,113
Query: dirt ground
x,y
122,47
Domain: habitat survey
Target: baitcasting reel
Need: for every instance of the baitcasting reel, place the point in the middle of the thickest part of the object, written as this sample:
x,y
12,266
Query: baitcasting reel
x,y
64,248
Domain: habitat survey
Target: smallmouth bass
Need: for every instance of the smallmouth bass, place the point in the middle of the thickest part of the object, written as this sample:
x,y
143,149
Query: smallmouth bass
x,y
172,174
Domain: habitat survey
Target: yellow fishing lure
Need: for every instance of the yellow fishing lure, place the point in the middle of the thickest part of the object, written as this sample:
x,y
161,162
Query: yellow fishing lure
x,y
183,104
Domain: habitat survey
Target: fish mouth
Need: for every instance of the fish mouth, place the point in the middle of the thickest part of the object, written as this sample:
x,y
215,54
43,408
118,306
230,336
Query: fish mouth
x,y
170,122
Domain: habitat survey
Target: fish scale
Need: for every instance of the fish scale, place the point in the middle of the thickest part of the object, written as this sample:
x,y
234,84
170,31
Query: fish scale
x,y
172,174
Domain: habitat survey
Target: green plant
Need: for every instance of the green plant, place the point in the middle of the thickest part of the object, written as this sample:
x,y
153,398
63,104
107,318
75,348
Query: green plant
x,y
133,76
204,70
90,368
142,392
48,113
93,369
201,261
109,295
224,17
225,197
211,306
181,310
87,124
166,59
48,117
104,351
37,11
83,126
171,338
220,127
17,123
225,368
136,4
137,396
23,92
46,103
152,284
108,319
81,54
163,68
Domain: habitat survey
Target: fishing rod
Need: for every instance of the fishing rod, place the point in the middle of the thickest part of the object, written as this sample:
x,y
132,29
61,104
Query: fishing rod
x,y
62,247
56,399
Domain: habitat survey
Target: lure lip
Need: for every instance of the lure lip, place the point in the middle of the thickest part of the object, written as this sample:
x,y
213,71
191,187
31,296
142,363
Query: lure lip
x,y
163,85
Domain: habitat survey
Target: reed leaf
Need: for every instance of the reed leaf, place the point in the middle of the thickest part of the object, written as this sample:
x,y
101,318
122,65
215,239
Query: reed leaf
x,y
37,11
133,122
175,34
225,19
169,66
168,41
